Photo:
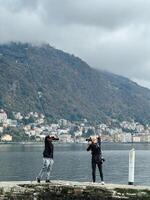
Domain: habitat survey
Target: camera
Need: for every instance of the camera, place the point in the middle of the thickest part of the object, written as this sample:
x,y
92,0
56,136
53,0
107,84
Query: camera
x,y
54,138
88,139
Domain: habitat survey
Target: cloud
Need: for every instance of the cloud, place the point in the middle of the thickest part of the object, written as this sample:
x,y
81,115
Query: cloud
x,y
111,35
19,5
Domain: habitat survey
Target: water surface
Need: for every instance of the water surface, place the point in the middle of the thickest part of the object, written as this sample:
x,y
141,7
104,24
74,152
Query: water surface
x,y
72,162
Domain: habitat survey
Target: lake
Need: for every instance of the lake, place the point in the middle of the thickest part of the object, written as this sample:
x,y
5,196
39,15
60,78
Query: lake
x,y
20,162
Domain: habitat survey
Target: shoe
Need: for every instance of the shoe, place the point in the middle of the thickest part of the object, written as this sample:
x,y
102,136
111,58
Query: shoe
x,y
102,183
48,181
38,180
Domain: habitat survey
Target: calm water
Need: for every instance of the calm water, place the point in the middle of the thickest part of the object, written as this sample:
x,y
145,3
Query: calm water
x,y
72,162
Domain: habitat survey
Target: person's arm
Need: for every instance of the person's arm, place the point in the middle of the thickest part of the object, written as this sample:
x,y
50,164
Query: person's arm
x,y
99,144
99,141
89,147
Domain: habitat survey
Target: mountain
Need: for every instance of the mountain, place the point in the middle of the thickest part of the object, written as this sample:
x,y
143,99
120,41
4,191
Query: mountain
x,y
44,79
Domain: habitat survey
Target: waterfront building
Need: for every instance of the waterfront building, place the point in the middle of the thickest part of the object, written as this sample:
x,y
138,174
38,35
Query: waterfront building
x,y
136,139
3,116
65,138
145,138
78,133
140,128
125,137
1,129
6,138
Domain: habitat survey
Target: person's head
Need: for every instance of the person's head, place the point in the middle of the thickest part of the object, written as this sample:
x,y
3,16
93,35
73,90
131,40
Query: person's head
x,y
49,138
94,140
99,137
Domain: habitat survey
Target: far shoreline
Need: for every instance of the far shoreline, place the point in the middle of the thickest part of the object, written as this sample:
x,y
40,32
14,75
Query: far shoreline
x,y
78,143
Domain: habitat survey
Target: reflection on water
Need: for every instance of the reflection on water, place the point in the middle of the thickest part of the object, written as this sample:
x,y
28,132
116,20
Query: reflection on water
x,y
72,162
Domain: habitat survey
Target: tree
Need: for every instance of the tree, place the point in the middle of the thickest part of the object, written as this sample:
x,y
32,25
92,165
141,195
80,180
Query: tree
x,y
30,120
18,134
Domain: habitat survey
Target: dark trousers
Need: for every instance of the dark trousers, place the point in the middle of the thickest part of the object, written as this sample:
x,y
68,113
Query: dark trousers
x,y
99,165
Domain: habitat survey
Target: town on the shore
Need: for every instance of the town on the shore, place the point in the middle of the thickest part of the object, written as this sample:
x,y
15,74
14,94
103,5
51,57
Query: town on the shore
x,y
34,126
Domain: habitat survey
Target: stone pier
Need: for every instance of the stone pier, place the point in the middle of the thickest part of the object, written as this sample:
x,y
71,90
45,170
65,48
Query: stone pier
x,y
67,190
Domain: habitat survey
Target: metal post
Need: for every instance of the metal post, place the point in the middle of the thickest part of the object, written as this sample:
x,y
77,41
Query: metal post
x,y
131,166
132,139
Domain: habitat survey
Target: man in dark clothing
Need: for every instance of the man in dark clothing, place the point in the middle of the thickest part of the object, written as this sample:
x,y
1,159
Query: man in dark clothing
x,y
95,148
47,159
48,151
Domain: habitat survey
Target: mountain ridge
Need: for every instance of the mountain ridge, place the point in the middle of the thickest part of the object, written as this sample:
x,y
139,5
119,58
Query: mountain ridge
x,y
68,86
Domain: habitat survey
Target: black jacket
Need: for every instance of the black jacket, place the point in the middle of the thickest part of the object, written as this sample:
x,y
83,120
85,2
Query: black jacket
x,y
49,148
95,151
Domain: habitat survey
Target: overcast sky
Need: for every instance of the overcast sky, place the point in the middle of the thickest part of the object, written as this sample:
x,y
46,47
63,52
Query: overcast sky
x,y
113,35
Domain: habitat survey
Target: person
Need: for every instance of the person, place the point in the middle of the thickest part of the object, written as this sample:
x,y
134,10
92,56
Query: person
x,y
47,159
95,148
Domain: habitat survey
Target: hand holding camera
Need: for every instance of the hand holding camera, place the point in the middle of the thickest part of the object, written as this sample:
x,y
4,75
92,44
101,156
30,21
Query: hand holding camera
x,y
53,138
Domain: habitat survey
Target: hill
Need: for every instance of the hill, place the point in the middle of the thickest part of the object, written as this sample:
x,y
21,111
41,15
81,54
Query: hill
x,y
67,86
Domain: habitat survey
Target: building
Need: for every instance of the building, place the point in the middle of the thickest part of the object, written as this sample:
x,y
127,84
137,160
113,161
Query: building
x,y
1,129
18,115
78,133
12,123
6,138
136,139
145,138
63,122
126,137
3,116
65,138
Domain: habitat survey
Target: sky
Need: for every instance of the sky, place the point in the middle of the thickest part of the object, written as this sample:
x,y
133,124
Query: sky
x,y
112,35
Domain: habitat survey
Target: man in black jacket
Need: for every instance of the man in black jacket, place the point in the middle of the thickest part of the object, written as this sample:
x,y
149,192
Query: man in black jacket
x,y
95,147
47,159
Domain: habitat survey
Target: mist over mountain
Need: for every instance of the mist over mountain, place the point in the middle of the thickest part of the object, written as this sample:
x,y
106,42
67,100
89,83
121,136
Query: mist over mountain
x,y
44,79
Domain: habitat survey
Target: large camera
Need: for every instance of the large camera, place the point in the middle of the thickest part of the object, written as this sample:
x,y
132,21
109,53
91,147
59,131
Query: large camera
x,y
53,138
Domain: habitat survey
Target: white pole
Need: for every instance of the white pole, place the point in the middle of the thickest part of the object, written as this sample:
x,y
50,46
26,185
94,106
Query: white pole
x,y
131,166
